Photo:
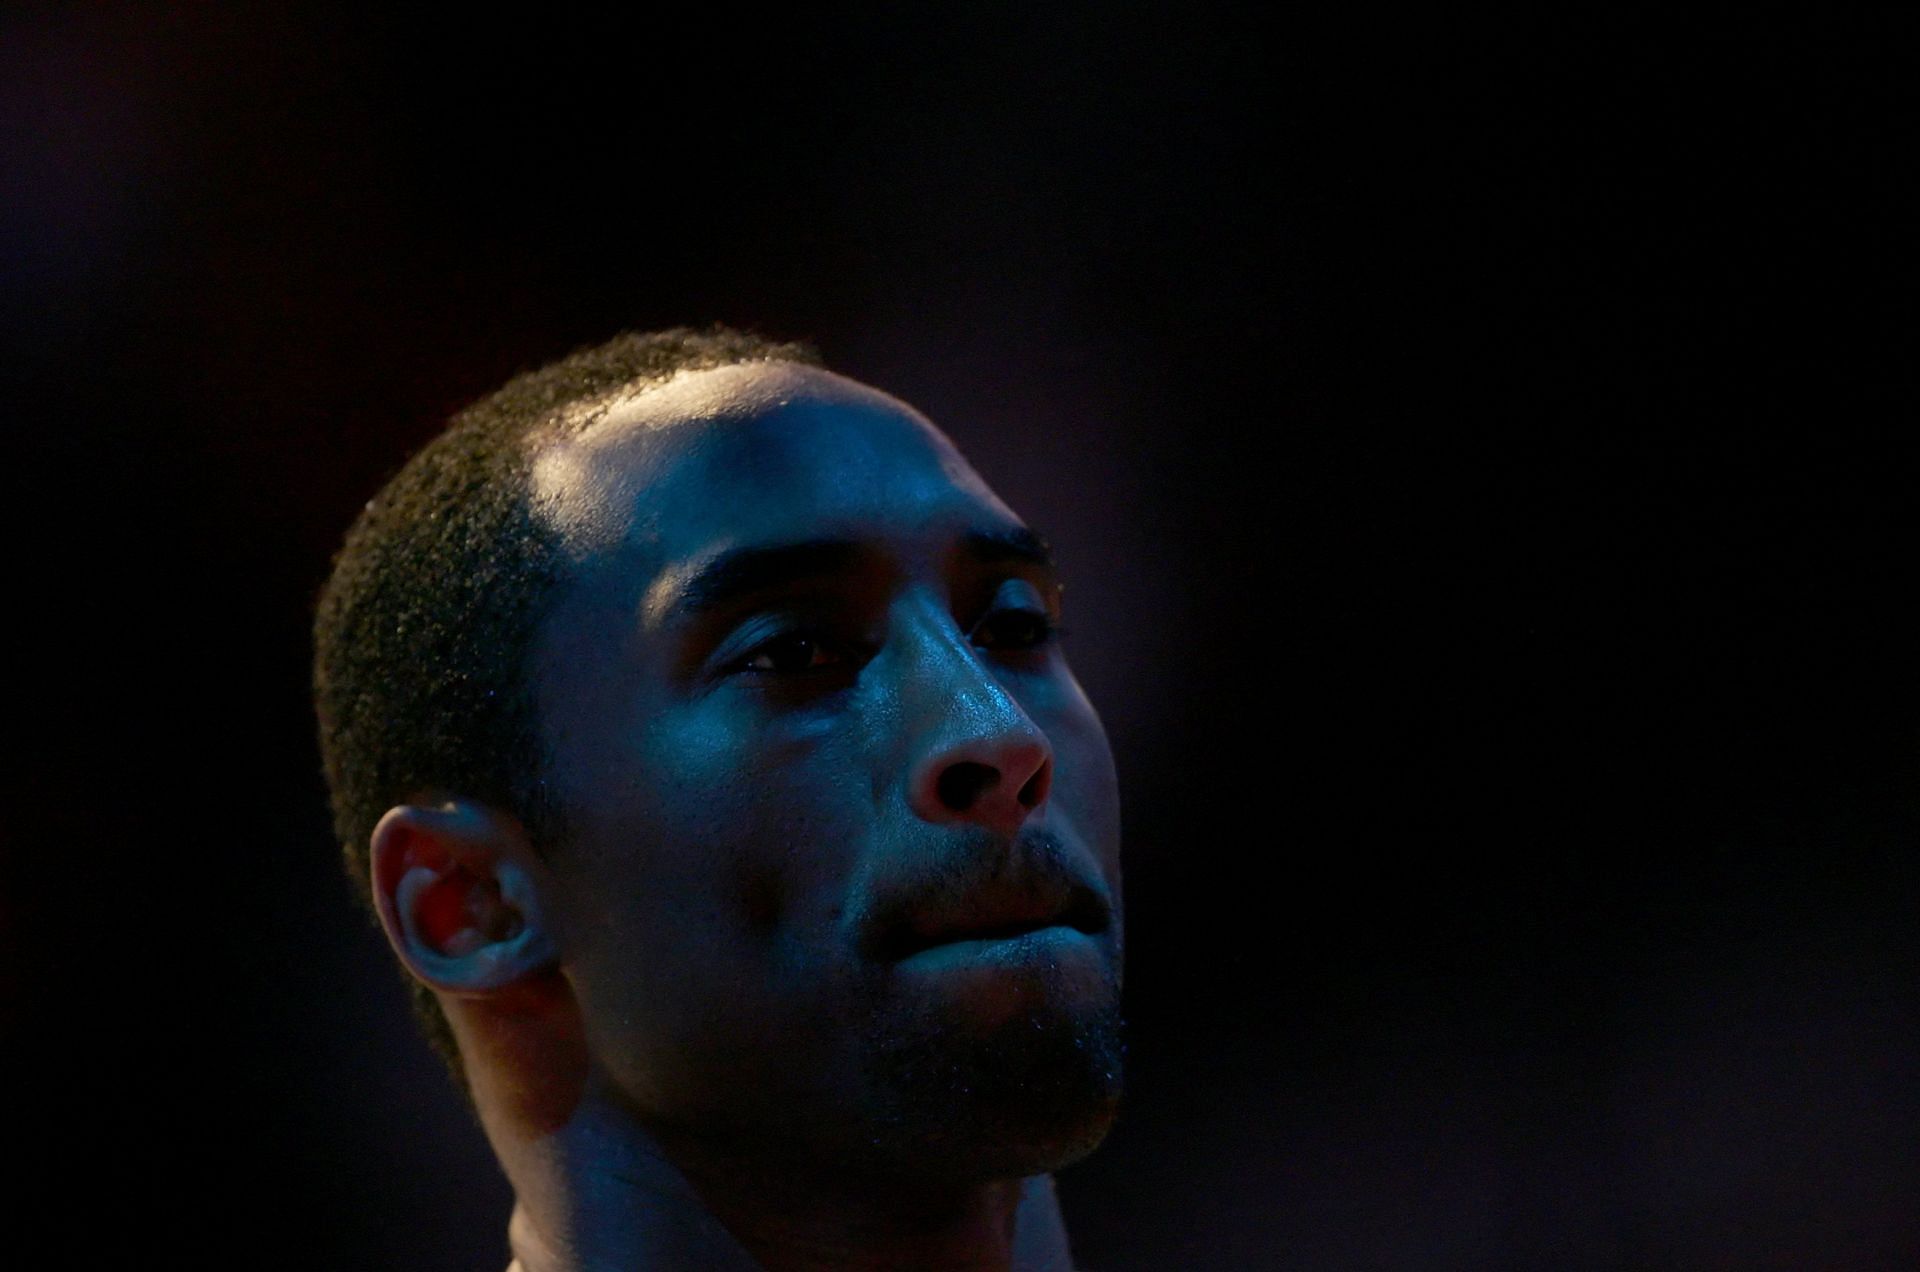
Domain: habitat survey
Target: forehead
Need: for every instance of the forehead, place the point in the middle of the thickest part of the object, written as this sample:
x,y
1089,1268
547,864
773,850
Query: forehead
x,y
749,453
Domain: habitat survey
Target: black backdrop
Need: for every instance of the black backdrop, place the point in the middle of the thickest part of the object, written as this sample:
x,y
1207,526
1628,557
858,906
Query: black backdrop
x,y
1479,450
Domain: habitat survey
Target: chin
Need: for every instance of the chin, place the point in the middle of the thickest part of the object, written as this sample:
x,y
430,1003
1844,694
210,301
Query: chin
x,y
1015,1148
1027,1099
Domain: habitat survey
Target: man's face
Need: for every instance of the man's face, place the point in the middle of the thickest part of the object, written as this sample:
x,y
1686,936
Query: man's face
x,y
842,875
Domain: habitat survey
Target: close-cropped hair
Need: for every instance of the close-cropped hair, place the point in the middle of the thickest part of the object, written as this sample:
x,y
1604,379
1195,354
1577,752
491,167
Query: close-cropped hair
x,y
425,628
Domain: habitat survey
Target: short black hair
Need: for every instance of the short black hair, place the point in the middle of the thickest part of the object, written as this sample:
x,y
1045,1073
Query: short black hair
x,y
424,629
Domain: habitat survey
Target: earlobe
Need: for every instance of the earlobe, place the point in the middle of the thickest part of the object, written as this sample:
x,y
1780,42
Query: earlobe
x,y
459,891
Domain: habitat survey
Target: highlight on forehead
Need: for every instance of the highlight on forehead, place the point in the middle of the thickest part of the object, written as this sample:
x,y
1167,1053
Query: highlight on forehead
x,y
579,487
736,390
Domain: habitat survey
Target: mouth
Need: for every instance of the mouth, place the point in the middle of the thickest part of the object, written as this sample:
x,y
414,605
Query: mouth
x,y
988,919
975,892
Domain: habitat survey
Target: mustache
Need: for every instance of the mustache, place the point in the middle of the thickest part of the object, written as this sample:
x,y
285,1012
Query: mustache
x,y
972,880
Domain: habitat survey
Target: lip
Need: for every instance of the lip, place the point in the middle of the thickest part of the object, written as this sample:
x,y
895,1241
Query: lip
x,y
975,887
990,919
1006,947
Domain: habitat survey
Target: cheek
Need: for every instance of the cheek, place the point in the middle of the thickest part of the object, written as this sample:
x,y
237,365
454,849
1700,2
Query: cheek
x,y
710,890
726,836
1085,784
805,800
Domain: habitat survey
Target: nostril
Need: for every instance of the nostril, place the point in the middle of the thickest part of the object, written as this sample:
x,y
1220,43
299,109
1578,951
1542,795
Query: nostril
x,y
962,783
1034,793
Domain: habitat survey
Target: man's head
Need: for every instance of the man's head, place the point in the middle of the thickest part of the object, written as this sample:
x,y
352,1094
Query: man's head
x,y
741,705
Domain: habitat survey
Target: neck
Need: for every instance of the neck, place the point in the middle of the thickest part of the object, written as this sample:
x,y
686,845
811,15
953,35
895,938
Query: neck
x,y
598,1191
805,1218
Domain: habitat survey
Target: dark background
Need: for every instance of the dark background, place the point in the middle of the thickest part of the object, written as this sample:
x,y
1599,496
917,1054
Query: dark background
x,y
1479,449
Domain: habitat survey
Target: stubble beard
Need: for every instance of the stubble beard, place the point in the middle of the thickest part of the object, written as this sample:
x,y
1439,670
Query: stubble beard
x,y
1035,1093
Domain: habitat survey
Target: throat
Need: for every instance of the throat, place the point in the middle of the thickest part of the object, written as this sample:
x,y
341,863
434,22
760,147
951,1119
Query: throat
x,y
991,1227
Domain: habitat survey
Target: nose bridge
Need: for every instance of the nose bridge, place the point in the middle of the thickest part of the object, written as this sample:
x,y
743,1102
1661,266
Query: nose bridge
x,y
955,692
974,755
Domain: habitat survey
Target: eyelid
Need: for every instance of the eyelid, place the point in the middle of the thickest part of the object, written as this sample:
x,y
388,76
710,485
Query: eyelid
x,y
1022,598
747,639
1024,594
1014,596
813,645
755,636
1049,628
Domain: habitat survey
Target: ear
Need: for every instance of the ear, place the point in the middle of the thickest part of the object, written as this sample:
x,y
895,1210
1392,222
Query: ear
x,y
460,892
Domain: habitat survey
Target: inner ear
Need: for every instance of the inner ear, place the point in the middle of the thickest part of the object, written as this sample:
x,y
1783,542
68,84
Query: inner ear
x,y
460,911
458,889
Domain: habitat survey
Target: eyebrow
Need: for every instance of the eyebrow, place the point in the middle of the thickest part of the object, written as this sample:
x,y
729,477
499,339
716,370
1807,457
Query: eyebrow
x,y
1014,543
743,572
740,573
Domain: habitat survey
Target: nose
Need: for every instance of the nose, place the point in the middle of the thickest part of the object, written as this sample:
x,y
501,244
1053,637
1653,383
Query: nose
x,y
981,760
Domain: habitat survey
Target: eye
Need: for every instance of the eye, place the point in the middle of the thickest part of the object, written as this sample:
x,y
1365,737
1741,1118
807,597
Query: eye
x,y
1014,629
789,653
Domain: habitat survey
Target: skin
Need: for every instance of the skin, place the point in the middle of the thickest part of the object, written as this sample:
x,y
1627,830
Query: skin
x,y
827,971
